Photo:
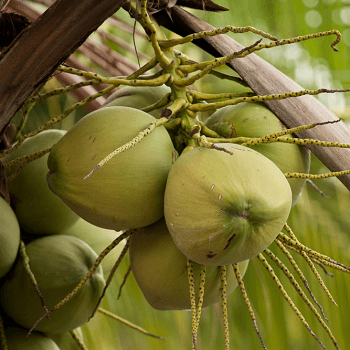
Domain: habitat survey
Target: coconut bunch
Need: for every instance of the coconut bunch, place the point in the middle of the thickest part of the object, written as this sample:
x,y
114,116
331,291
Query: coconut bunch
x,y
195,199
46,250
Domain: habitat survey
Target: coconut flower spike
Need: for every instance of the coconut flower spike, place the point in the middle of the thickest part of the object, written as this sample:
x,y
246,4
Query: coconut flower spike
x,y
301,276
223,291
127,323
296,285
315,256
201,293
288,299
111,274
129,144
311,265
193,303
247,302
25,261
127,273
98,261
78,341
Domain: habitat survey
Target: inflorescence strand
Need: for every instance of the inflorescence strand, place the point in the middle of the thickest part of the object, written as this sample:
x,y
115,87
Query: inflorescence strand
x,y
223,291
129,144
287,298
297,287
127,323
97,263
247,302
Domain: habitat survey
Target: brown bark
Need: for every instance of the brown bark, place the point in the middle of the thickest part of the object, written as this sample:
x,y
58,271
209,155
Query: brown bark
x,y
46,43
265,79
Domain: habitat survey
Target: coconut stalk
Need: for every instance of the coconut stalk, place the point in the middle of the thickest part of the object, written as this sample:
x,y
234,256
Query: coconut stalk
x,y
265,79
46,43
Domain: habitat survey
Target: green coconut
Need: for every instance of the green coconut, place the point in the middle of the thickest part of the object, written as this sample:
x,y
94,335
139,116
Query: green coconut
x,y
38,210
138,97
18,339
128,191
9,237
59,263
160,271
223,208
254,119
98,239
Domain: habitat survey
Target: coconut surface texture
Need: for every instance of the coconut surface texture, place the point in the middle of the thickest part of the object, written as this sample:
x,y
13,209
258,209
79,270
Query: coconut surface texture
x,y
138,97
9,237
59,263
223,208
254,119
38,210
17,339
160,271
128,191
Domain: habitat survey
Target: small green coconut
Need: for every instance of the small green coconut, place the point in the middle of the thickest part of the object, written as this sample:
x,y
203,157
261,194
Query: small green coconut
x,y
138,97
59,263
128,191
160,271
255,119
18,339
222,208
38,210
9,237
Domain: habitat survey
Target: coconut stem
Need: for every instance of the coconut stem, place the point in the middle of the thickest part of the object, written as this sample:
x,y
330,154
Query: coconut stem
x,y
247,302
201,107
287,298
127,323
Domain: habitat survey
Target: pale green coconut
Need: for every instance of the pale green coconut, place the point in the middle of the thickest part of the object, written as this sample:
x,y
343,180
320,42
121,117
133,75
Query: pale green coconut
x,y
128,191
9,237
59,263
138,97
38,210
223,208
18,339
160,271
254,119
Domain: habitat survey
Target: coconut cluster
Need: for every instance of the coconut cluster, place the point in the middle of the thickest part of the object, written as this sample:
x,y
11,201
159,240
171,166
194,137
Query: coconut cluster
x,y
213,206
216,207
61,248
